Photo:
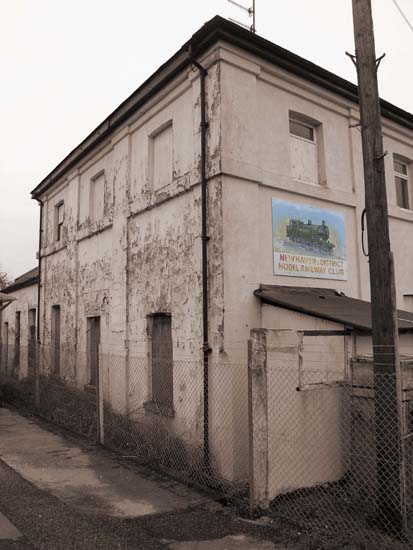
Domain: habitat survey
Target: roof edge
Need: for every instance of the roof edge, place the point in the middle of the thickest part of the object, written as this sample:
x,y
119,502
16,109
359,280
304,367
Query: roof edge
x,y
319,315
215,29
17,286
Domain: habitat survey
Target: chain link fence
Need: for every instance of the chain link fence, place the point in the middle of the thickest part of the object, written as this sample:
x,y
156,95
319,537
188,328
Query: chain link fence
x,y
150,412
331,442
300,432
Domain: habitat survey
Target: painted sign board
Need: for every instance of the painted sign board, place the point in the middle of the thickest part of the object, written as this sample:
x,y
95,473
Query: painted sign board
x,y
308,241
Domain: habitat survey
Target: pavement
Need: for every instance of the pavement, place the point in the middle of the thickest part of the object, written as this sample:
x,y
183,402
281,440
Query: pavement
x,y
87,479
60,493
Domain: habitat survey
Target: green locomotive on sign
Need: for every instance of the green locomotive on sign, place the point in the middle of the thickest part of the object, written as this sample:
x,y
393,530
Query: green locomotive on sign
x,y
310,236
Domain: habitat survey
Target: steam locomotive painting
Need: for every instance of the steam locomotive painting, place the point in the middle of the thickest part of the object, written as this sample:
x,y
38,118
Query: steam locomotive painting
x,y
309,235
308,241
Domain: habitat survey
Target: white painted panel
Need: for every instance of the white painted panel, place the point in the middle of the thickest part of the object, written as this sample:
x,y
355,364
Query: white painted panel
x,y
162,144
304,162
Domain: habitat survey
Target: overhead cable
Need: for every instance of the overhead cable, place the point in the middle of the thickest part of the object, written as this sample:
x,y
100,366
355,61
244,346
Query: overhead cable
x,y
403,14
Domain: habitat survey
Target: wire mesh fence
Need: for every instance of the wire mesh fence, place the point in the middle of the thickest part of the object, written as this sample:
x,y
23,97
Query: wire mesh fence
x,y
149,411
300,432
335,437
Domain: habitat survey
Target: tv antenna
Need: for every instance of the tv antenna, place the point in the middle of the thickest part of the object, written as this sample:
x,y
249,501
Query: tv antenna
x,y
251,13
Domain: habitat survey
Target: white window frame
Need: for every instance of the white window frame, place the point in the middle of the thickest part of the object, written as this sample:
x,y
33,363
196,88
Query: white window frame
x,y
306,125
58,233
404,177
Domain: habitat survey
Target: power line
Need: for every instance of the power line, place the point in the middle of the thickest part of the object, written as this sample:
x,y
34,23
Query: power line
x,y
403,14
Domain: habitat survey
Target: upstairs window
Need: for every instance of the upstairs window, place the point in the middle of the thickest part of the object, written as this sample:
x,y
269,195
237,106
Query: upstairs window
x,y
401,180
58,221
301,130
305,153
161,156
97,197
32,324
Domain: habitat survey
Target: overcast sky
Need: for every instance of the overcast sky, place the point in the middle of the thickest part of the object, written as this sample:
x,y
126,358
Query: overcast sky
x,y
65,65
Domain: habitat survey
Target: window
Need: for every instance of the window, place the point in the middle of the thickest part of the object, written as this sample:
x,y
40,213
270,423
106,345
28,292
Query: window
x,y
5,345
55,343
301,130
306,149
401,180
32,324
93,343
161,156
32,338
408,302
17,340
162,362
59,218
97,197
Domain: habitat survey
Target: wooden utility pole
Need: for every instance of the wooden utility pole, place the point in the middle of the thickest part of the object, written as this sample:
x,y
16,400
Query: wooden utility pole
x,y
387,374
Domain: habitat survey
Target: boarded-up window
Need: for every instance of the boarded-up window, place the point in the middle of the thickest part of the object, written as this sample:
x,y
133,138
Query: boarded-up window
x,y
32,324
304,149
5,345
55,343
97,197
161,145
162,360
32,338
93,342
17,340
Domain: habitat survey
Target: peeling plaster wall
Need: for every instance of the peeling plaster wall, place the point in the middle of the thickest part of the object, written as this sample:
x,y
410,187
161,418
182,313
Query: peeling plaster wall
x,y
142,257
26,300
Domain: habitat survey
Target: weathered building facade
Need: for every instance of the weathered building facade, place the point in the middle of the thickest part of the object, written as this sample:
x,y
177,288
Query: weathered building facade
x,y
19,325
121,263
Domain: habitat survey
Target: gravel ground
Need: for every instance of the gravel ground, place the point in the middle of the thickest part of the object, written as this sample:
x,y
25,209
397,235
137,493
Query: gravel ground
x,y
47,523
15,545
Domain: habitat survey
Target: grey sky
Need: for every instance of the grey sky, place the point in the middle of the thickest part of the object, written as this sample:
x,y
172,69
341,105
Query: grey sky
x,y
66,65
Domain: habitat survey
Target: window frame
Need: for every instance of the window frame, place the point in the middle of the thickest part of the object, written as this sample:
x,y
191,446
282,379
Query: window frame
x,y
93,342
56,312
309,125
164,407
5,343
93,195
17,338
58,226
167,125
318,175
404,177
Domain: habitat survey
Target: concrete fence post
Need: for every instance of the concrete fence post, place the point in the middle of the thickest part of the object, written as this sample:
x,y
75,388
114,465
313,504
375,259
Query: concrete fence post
x,y
258,420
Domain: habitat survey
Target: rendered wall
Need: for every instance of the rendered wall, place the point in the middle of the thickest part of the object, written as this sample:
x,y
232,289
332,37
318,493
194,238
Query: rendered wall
x,y
143,256
26,300
298,436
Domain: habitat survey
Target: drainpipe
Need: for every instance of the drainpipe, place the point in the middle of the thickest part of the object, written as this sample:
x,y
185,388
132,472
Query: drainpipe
x,y
40,266
37,360
204,238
